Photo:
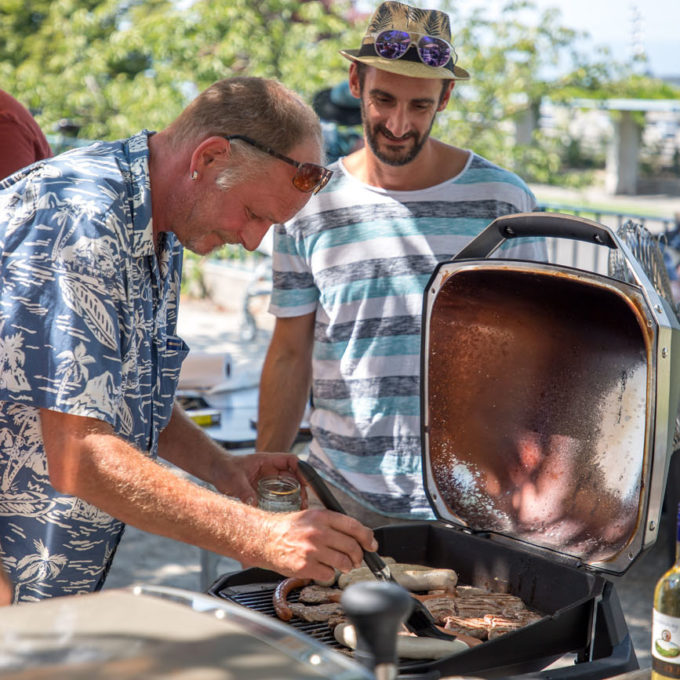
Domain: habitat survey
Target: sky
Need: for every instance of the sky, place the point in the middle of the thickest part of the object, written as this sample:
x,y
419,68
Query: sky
x,y
611,23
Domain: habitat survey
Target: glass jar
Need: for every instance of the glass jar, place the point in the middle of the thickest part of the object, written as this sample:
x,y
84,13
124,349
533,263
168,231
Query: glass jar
x,y
278,493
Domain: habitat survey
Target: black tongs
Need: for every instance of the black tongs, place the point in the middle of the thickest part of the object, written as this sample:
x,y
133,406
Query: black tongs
x,y
419,621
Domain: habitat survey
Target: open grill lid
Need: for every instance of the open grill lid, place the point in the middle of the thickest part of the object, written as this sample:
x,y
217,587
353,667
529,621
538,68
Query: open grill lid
x,y
549,397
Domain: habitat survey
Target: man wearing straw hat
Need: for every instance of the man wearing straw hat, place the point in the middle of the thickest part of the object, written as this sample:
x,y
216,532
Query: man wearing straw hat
x,y
350,269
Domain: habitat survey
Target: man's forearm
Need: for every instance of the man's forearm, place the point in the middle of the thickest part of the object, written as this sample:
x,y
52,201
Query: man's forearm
x,y
107,472
186,445
284,392
86,459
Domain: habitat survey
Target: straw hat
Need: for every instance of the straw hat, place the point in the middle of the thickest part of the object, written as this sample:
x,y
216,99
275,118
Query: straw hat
x,y
393,15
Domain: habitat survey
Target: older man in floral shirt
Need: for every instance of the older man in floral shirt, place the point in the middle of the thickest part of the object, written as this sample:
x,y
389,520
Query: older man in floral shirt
x,y
90,265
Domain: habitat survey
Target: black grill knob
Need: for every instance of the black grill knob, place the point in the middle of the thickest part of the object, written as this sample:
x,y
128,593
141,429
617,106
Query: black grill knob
x,y
377,610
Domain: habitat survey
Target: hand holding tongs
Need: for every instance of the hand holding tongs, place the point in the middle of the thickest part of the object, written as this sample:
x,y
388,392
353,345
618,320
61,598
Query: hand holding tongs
x,y
419,621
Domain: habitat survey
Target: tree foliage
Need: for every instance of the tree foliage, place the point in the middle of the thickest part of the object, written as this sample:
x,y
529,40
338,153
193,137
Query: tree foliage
x,y
116,66
517,61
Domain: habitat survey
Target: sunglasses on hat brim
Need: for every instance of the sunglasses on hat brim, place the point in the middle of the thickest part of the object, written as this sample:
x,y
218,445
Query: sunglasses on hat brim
x,y
309,177
432,51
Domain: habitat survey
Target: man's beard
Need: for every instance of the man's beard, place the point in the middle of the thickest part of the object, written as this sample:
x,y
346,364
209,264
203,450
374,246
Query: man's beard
x,y
397,158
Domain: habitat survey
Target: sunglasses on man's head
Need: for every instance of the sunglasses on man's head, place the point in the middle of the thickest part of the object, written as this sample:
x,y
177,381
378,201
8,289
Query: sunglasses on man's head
x,y
309,177
432,51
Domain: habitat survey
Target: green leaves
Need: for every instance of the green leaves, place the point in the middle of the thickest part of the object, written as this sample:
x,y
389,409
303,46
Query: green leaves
x,y
515,62
117,66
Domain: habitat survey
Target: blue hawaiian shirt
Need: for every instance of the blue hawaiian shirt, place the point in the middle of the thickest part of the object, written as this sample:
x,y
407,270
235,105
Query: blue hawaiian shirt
x,y
88,315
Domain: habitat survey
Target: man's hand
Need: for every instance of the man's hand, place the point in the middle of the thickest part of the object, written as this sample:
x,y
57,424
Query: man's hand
x,y
313,543
237,476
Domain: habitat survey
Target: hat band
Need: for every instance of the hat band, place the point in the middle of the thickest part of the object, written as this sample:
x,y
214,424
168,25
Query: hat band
x,y
368,50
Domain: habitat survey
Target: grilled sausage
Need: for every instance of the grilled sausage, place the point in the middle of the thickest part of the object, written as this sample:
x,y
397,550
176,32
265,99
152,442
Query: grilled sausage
x,y
414,577
281,606
408,647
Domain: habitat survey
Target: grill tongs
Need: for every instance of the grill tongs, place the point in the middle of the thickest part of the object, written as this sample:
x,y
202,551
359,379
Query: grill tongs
x,y
419,621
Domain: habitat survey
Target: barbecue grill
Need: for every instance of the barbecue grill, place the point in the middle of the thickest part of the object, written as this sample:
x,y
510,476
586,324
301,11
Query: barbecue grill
x,y
548,399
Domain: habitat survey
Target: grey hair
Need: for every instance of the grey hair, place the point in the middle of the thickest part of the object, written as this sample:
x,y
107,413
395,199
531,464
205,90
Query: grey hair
x,y
260,108
247,165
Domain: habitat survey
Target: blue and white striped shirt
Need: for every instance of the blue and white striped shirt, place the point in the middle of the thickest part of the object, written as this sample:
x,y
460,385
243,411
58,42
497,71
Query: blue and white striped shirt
x,y
360,258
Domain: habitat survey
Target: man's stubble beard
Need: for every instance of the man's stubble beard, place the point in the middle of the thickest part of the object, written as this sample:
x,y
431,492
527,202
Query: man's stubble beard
x,y
185,217
394,161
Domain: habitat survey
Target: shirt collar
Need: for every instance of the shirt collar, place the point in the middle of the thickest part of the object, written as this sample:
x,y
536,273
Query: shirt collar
x,y
136,150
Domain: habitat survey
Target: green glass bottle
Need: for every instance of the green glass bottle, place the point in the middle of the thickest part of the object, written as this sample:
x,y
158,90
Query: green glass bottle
x,y
666,620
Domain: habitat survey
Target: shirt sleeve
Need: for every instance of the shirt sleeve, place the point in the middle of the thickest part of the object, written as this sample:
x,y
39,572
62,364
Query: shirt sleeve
x,y
294,292
59,330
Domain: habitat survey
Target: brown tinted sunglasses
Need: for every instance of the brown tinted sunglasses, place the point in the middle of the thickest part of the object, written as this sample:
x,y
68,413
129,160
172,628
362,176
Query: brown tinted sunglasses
x,y
309,177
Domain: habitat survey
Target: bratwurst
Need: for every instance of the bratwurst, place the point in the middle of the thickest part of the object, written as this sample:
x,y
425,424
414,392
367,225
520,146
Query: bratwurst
x,y
280,598
414,577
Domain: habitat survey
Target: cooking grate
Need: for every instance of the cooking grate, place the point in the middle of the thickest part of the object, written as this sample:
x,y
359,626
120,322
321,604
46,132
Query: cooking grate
x,y
566,594
259,596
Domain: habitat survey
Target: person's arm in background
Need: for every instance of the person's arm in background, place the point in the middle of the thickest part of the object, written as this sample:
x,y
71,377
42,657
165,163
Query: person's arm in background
x,y
19,144
6,590
285,383
186,445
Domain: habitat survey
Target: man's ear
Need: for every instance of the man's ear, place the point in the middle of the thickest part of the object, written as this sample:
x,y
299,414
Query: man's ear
x,y
443,102
354,85
211,151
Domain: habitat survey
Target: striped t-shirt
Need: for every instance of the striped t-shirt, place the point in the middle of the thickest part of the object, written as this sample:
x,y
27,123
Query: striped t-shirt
x,y
360,257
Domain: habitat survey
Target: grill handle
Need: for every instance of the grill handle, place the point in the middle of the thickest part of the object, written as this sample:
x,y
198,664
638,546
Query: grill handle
x,y
536,224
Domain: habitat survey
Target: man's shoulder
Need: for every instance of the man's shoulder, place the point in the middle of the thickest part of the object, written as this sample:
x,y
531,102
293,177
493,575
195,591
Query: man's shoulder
x,y
482,171
100,165
478,162
95,182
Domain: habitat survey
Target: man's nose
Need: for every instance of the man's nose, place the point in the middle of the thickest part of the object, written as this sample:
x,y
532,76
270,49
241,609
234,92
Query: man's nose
x,y
397,122
254,235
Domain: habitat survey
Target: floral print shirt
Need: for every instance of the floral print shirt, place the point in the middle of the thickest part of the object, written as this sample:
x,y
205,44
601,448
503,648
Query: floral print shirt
x,y
88,312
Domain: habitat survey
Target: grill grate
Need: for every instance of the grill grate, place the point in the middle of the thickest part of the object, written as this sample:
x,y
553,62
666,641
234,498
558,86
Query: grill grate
x,y
259,596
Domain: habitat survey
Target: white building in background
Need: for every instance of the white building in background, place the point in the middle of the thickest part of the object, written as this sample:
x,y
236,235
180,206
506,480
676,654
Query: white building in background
x,y
611,128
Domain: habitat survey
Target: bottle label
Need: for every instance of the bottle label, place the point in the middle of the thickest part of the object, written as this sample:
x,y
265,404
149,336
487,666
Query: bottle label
x,y
666,644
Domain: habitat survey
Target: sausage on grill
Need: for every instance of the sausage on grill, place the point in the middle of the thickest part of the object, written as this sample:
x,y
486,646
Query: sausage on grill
x,y
281,606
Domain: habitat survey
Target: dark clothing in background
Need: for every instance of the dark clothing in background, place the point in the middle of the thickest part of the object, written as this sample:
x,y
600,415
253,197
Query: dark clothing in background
x,y
22,142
